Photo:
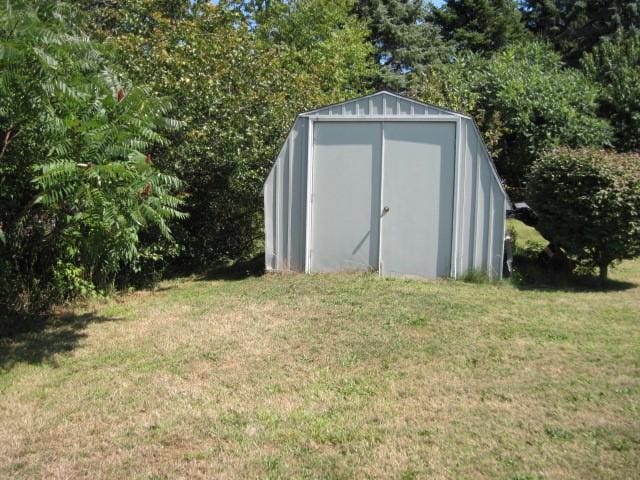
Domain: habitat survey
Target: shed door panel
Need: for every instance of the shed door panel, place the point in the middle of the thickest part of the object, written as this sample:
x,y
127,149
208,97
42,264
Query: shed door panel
x,y
346,196
418,180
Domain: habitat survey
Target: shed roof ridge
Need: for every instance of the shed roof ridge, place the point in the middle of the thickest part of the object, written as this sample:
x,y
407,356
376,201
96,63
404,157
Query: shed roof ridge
x,y
381,93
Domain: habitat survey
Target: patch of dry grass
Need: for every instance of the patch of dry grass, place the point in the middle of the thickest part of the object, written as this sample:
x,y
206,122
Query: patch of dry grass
x,y
332,376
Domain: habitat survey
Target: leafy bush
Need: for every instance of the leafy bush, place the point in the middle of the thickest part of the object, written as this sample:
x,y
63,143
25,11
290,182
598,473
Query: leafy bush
x,y
616,67
78,179
535,104
476,276
524,101
238,86
588,203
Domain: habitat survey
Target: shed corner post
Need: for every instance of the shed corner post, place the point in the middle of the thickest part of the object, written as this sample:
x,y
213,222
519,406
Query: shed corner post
x,y
456,199
308,236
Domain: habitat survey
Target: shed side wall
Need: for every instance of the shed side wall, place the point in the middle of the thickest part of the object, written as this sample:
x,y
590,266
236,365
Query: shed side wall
x,y
285,194
282,215
498,227
298,195
482,219
467,226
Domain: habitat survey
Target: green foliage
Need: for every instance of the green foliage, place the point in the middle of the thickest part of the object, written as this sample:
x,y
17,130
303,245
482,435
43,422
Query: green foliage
x,y
524,101
78,181
89,160
534,104
476,276
405,41
480,25
450,85
322,40
588,202
237,87
616,67
576,27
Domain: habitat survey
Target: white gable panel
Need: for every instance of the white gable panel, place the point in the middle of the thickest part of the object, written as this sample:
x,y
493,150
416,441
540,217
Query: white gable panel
x,y
380,104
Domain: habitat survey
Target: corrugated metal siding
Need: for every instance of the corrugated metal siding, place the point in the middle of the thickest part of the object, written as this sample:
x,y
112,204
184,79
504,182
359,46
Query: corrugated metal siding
x,y
467,225
481,224
497,229
285,193
298,196
377,105
282,208
269,219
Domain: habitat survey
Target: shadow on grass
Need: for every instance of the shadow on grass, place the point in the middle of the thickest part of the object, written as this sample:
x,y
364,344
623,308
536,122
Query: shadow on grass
x,y
237,271
530,274
37,339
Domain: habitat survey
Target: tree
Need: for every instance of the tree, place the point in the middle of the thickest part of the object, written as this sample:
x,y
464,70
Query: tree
x,y
451,85
525,102
405,41
78,182
588,202
321,39
237,85
257,12
615,66
574,28
482,26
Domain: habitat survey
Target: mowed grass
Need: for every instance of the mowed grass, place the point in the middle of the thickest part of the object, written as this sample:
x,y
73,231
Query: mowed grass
x,y
329,376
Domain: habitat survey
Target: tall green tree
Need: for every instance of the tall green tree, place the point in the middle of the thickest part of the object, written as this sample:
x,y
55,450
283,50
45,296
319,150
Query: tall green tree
x,y
323,40
257,12
480,26
237,85
534,104
78,184
575,27
525,102
405,41
615,66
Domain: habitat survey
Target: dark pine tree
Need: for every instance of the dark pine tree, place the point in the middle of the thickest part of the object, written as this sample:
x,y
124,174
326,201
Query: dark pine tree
x,y
404,39
480,25
574,28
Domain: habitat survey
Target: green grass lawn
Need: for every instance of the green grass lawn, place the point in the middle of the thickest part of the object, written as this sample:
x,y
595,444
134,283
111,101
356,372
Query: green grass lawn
x,y
329,376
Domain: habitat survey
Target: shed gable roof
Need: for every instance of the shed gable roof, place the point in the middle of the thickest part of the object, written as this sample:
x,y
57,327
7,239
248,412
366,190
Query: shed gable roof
x,y
381,103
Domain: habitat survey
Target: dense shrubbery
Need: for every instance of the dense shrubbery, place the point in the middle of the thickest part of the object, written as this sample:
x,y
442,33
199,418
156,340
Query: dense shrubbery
x,y
524,101
89,164
78,181
237,84
588,203
616,67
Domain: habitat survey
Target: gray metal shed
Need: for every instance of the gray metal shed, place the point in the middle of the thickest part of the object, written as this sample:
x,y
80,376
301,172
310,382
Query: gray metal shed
x,y
388,184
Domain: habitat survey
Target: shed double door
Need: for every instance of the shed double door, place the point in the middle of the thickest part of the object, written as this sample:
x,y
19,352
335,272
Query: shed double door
x,y
382,197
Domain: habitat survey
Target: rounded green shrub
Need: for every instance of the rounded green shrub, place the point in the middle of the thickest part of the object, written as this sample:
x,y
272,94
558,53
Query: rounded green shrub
x,y
588,203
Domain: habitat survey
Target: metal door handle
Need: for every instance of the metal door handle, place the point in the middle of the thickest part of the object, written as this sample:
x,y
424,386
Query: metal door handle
x,y
385,210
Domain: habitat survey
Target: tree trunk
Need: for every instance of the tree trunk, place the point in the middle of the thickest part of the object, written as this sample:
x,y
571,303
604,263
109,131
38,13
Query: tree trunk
x,y
604,269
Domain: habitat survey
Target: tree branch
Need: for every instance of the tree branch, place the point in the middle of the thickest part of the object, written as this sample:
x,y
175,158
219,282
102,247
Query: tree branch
x,y
7,139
